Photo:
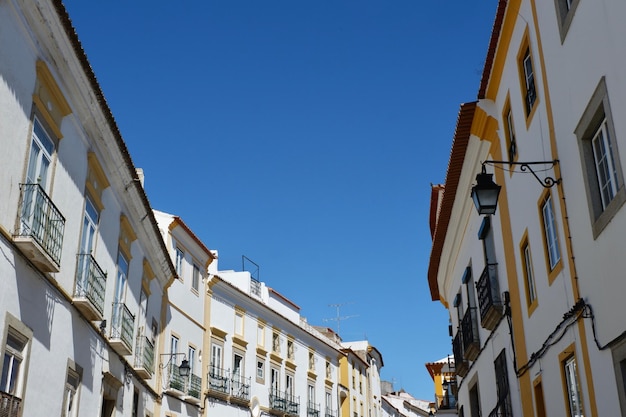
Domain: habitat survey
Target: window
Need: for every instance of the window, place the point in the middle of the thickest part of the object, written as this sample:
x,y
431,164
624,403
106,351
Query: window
x,y
502,386
604,183
275,380
216,359
328,403
574,399
237,368
180,255
173,346
289,390
12,364
191,357
540,405
530,95
260,370
195,279
529,276
509,133
549,232
119,319
565,10
70,394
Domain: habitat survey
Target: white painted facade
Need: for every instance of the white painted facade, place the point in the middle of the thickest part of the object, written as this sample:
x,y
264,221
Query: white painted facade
x,y
184,320
265,358
70,321
556,363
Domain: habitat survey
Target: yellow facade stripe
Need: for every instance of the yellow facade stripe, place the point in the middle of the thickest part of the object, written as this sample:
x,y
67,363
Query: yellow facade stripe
x,y
486,127
564,219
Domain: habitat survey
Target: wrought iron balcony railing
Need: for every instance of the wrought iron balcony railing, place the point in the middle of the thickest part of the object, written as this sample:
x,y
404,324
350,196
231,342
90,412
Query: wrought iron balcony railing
x,y
122,325
90,285
330,413
175,381
312,409
489,299
460,363
144,356
285,402
10,405
219,380
469,328
240,387
41,221
195,386
446,402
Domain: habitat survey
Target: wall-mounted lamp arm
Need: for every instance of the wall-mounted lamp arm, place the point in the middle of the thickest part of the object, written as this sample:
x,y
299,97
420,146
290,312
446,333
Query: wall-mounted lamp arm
x,y
547,182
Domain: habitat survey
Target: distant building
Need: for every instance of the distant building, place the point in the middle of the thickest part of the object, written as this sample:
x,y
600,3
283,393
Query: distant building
x,y
402,404
443,374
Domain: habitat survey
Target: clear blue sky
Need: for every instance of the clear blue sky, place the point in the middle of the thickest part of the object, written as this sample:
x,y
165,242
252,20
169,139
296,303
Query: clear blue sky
x,y
304,135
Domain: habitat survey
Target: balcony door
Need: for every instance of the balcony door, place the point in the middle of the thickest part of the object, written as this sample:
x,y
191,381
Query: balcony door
x,y
90,222
39,161
120,291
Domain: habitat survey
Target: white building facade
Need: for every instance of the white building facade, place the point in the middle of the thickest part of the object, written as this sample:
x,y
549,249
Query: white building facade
x,y
83,267
265,359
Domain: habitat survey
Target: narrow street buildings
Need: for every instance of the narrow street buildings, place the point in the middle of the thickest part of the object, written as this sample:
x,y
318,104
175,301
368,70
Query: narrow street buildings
x,y
534,289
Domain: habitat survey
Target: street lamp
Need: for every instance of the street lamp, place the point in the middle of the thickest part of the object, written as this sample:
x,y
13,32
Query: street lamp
x,y
183,370
485,193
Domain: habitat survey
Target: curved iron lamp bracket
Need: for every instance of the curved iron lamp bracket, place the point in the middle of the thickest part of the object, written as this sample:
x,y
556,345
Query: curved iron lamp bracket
x,y
547,182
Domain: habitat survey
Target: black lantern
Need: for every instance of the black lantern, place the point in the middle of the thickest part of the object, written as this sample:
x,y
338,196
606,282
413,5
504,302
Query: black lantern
x,y
184,368
485,193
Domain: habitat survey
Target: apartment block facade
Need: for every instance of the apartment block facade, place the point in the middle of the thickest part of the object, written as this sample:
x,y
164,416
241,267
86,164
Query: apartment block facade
x,y
83,270
532,288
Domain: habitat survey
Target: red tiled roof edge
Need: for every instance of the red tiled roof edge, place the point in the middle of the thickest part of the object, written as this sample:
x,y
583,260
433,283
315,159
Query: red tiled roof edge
x,y
491,52
457,156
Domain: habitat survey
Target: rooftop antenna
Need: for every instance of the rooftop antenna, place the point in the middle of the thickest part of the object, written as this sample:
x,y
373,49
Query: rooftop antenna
x,y
338,318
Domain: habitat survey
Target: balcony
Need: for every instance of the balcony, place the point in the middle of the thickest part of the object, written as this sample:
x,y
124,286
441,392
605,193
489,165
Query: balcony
x,y
122,325
446,401
10,406
283,403
194,390
460,363
489,300
312,409
330,413
218,383
240,390
469,329
144,357
175,382
90,287
41,227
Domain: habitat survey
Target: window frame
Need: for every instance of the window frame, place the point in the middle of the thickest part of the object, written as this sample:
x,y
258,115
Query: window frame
x,y
597,112
528,273
179,257
568,356
527,80
565,10
75,371
196,274
550,233
509,132
22,332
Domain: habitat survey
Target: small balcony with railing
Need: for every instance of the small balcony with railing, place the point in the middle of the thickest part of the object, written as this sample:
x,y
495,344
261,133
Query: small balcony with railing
x,y
41,227
469,329
144,357
312,409
226,385
489,300
461,364
283,403
122,329
90,287
329,412
193,393
10,405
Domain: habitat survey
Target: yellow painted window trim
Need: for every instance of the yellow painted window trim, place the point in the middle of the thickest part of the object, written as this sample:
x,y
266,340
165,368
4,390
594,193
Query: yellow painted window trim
x,y
46,81
525,45
554,272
